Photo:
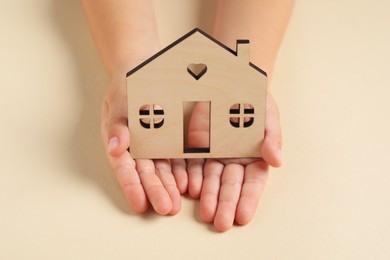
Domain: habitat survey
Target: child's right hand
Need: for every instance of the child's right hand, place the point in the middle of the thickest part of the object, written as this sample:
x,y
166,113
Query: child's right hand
x,y
142,180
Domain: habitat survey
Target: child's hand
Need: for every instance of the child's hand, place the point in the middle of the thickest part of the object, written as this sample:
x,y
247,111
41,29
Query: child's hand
x,y
230,189
142,181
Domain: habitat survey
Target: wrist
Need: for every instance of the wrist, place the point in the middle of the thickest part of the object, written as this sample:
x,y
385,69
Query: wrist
x,y
127,61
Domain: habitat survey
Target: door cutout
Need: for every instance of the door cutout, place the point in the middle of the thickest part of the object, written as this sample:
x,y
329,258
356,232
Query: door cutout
x,y
196,128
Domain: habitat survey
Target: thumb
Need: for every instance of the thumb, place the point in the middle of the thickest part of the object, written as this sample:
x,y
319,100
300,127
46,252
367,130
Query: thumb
x,y
272,144
199,126
115,131
118,136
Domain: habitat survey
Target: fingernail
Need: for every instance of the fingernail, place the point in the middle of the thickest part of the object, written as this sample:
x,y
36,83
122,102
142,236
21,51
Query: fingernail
x,y
112,144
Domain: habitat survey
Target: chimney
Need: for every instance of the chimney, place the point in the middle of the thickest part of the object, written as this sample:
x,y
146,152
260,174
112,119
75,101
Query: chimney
x,y
243,50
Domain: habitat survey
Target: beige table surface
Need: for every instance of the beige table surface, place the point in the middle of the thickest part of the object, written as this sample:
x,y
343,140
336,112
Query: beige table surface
x,y
330,200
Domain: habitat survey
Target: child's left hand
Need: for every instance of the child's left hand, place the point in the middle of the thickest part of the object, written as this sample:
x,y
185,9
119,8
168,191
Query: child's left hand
x,y
229,189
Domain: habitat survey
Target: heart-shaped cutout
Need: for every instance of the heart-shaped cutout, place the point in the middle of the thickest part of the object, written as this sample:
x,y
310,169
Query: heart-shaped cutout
x,y
197,70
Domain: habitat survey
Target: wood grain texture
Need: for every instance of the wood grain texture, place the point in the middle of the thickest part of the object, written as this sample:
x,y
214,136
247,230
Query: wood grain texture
x,y
164,81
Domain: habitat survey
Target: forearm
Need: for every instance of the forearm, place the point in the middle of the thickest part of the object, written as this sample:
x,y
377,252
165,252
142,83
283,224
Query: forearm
x,y
263,22
124,31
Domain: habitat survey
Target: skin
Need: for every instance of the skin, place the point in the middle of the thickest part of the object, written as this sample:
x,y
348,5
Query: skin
x,y
229,190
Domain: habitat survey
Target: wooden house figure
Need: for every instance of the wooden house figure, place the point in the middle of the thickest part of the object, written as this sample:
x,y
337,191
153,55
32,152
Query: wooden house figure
x,y
197,68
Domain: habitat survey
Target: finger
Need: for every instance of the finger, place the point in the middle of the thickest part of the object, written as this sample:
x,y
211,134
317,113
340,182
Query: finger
x,y
256,175
195,177
164,172
229,195
210,190
180,173
154,189
272,144
128,179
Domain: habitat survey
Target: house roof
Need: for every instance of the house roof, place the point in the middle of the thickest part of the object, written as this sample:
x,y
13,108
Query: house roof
x,y
185,37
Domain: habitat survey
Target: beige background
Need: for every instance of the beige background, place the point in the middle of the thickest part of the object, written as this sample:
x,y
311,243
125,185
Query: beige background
x,y
59,200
